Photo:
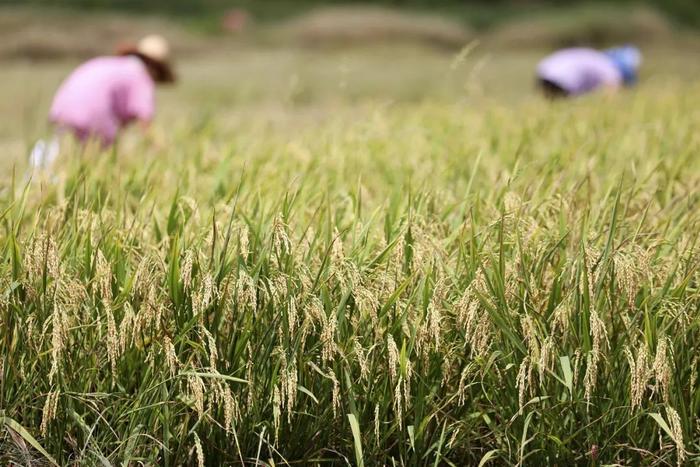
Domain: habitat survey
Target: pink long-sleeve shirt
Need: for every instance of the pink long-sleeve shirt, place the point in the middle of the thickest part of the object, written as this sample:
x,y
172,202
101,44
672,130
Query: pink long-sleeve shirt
x,y
579,70
103,95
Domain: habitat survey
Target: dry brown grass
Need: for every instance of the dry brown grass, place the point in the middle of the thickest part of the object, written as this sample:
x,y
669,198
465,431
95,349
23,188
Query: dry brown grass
x,y
27,33
367,24
598,26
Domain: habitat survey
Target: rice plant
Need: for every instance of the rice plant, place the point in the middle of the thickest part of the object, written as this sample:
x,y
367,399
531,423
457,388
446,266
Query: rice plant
x,y
427,284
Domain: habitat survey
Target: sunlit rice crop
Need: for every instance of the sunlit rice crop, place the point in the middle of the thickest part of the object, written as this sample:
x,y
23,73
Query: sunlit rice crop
x,y
429,284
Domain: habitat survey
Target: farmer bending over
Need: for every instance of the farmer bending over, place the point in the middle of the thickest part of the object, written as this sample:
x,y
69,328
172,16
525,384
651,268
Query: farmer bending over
x,y
105,94
576,71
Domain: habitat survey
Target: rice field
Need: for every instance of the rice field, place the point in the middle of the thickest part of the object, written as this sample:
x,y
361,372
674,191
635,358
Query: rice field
x,y
367,282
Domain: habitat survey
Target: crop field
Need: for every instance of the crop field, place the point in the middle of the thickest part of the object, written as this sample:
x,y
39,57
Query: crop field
x,y
316,260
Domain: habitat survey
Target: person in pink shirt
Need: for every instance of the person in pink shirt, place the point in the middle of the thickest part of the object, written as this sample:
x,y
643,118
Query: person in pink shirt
x,y
576,71
106,94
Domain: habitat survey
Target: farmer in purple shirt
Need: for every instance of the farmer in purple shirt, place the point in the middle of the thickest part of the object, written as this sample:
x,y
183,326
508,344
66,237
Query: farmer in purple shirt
x,y
576,71
105,94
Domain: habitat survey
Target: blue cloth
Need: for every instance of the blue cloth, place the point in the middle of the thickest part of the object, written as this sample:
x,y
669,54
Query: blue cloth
x,y
627,60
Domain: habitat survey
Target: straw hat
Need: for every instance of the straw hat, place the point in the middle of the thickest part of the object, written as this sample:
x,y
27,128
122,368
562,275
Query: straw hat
x,y
154,50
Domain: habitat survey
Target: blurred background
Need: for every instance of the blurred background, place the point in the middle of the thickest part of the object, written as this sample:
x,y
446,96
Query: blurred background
x,y
291,62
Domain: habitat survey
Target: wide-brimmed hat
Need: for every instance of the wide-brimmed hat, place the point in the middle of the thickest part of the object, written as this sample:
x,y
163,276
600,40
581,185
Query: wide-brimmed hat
x,y
154,50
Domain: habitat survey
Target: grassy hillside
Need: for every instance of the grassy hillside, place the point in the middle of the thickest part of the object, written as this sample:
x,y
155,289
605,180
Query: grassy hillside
x,y
478,13
27,33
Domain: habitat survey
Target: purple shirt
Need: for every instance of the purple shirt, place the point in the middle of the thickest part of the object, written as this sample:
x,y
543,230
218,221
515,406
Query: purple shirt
x,y
579,70
102,95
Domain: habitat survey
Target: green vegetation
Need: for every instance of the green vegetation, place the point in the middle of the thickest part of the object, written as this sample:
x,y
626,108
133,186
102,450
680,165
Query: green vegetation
x,y
477,13
383,255
413,284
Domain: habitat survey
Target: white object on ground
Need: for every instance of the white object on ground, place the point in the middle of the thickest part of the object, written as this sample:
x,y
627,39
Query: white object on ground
x,y
44,154
41,159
